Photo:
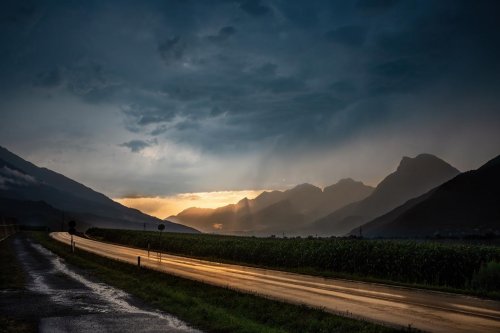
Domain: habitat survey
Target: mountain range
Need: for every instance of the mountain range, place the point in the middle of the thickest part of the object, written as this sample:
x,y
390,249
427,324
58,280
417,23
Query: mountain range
x,y
413,177
425,196
334,211
39,196
275,211
468,204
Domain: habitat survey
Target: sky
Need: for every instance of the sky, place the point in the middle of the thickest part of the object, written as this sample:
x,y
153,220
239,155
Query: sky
x,y
166,206
163,99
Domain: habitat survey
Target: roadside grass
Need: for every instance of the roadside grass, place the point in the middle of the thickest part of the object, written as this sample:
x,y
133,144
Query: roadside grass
x,y
11,273
12,279
446,267
209,308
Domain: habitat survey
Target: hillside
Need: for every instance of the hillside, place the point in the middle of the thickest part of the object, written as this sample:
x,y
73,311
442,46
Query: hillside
x,y
412,178
23,181
465,205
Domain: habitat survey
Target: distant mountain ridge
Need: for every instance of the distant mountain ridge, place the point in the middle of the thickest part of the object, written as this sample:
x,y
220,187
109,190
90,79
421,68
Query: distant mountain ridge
x,y
425,196
23,181
413,177
275,211
468,204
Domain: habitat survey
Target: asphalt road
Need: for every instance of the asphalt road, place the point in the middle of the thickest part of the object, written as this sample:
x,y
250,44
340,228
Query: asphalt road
x,y
396,306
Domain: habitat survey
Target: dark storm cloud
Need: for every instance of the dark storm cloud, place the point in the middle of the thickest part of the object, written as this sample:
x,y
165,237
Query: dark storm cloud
x,y
137,146
145,115
375,5
224,34
444,42
268,69
21,14
283,85
171,50
52,78
226,75
395,76
255,7
348,35
343,86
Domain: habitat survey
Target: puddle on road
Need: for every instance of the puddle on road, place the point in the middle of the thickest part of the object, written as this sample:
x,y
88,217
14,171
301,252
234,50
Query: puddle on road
x,y
95,298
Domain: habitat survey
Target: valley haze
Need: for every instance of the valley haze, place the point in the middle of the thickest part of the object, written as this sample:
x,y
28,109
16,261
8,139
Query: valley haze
x,y
40,197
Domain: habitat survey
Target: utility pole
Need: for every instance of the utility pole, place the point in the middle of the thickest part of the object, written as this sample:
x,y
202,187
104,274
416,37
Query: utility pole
x,y
72,230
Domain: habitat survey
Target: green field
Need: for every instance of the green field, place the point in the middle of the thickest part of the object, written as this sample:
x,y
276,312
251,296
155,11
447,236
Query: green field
x,y
209,308
446,266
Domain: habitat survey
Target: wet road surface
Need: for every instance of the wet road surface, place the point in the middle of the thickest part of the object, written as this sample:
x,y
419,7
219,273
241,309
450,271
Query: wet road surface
x,y
398,306
62,299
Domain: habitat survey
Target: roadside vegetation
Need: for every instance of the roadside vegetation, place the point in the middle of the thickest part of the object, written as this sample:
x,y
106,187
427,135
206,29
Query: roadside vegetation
x,y
467,268
11,273
12,279
209,308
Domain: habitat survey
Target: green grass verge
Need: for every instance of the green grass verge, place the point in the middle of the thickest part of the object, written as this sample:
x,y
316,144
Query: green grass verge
x,y
428,265
11,273
209,308
12,277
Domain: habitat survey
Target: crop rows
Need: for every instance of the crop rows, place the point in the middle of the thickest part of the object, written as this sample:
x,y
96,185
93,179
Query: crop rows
x,y
430,263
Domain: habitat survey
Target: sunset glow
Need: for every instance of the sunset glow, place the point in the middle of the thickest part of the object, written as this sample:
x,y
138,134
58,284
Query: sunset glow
x,y
163,207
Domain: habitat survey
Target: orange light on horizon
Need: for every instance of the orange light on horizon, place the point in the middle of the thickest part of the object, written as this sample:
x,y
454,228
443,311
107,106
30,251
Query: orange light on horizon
x,y
163,207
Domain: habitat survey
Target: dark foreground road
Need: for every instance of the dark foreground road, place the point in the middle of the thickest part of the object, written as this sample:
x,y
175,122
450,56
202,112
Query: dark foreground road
x,y
62,299
425,310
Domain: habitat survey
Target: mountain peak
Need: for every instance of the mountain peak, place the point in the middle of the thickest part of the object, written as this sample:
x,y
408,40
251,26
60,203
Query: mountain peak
x,y
421,161
346,184
420,173
305,187
245,202
464,205
346,181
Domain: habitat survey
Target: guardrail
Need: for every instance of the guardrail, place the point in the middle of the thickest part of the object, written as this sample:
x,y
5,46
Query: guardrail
x,y
7,227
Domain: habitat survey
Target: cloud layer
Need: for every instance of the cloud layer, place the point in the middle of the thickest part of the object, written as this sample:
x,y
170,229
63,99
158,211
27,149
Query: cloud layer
x,y
156,98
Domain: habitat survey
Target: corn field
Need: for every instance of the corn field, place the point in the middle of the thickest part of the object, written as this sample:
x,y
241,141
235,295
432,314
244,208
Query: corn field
x,y
430,263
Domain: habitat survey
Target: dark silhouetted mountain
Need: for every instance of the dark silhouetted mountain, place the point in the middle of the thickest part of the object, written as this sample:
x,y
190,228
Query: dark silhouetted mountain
x,y
35,213
276,211
413,177
468,204
23,181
